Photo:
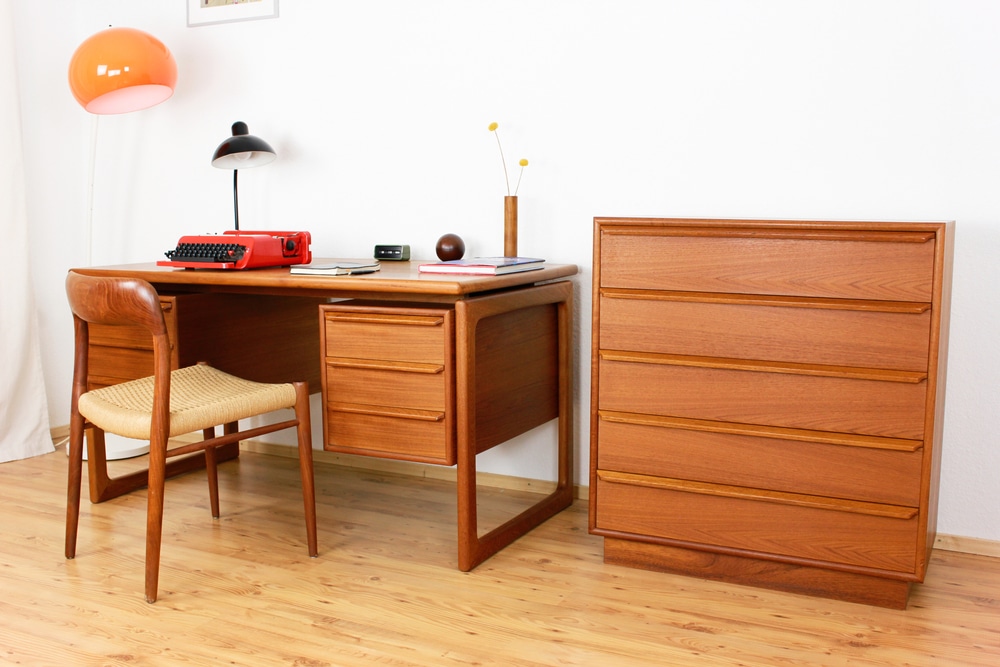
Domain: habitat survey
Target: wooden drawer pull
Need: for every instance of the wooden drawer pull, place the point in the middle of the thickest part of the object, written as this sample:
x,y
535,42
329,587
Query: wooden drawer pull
x,y
384,411
775,233
905,307
383,365
775,432
884,375
763,495
375,318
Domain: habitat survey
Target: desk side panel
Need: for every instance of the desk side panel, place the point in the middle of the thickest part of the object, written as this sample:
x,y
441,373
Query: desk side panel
x,y
517,373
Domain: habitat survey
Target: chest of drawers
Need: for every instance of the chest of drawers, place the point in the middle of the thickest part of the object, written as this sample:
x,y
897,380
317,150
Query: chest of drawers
x,y
767,400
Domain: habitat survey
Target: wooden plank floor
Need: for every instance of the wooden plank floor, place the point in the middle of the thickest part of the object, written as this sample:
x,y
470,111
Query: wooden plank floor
x,y
385,589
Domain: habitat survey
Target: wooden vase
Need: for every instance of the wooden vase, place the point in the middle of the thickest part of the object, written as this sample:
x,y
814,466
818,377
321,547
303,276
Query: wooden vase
x,y
510,226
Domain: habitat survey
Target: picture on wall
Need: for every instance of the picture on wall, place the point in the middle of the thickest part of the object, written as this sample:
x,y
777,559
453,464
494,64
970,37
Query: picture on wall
x,y
204,12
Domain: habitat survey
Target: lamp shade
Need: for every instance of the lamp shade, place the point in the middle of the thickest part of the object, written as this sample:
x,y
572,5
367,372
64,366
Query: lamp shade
x,y
242,150
120,70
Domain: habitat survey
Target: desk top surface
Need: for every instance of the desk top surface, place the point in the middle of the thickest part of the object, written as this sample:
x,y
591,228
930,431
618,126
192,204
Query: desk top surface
x,y
398,278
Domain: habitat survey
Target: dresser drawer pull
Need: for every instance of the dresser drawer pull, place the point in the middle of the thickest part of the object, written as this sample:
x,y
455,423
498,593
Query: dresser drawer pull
x,y
763,495
382,411
905,307
383,365
375,318
773,233
884,375
775,432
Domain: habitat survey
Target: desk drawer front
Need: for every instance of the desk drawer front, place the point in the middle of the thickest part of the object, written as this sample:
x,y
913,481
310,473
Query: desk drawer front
x,y
805,264
721,517
378,335
886,471
387,433
742,328
840,404
402,388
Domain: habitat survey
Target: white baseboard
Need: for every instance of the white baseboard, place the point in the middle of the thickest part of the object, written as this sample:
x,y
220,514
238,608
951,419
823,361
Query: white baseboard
x,y
426,470
968,545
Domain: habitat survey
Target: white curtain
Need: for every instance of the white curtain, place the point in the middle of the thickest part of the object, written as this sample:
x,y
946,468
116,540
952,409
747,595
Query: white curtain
x,y
24,421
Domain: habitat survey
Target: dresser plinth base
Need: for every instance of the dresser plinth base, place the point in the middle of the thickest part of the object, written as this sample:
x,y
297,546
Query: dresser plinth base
x,y
790,578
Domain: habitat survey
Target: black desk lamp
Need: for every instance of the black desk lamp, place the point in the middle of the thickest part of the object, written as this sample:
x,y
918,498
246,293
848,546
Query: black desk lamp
x,y
242,150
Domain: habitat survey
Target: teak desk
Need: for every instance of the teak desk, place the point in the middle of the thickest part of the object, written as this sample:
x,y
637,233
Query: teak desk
x,y
506,365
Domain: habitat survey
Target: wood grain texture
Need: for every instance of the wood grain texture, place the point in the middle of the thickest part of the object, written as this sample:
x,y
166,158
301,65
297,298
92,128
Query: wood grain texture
x,y
385,590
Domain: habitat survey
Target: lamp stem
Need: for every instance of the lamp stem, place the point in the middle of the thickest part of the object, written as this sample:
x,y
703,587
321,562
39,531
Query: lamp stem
x,y
94,127
236,199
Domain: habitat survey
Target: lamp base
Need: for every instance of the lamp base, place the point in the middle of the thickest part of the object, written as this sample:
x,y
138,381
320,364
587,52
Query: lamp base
x,y
118,448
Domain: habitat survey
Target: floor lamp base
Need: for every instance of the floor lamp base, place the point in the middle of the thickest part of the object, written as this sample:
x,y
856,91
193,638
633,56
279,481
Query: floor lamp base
x,y
118,448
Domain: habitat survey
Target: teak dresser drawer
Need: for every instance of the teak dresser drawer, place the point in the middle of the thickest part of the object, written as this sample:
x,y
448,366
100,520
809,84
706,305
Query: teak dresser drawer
x,y
766,400
847,264
891,406
819,463
760,521
870,334
388,381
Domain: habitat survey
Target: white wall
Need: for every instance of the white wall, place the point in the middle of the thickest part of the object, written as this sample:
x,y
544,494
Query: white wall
x,y
378,110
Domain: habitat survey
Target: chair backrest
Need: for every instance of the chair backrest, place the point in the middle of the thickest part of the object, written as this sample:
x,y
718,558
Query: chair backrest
x,y
116,301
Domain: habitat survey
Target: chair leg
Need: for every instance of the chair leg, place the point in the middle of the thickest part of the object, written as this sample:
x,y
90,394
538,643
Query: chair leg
x,y
212,472
154,512
304,432
75,478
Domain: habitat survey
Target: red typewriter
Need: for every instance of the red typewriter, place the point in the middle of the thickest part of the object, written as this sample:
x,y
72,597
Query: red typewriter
x,y
240,250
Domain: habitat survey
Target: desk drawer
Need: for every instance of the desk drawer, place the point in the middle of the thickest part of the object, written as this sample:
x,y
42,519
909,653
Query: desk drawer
x,y
414,335
836,264
388,381
773,395
879,470
401,387
411,435
762,522
867,334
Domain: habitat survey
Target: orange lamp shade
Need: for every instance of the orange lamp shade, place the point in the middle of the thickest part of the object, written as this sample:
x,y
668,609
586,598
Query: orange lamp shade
x,y
119,70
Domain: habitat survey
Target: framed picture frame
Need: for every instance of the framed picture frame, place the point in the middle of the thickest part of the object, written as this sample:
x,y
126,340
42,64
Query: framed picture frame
x,y
206,12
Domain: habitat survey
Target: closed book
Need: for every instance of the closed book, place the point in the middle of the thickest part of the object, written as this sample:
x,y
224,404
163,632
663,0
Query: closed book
x,y
335,268
490,266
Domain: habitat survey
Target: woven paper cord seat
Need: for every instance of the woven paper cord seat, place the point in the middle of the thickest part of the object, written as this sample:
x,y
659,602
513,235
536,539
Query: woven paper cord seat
x,y
200,396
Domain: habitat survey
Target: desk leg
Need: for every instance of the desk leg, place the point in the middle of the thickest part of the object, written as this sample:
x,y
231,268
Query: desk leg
x,y
473,549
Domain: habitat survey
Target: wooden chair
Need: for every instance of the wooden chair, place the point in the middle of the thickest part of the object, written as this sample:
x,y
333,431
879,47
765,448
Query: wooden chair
x,y
165,405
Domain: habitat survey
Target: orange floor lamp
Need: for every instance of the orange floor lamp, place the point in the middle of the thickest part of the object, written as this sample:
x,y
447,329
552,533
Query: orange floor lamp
x,y
116,71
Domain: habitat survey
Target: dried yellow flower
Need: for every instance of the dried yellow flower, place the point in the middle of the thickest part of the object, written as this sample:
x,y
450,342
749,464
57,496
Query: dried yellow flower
x,y
524,163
